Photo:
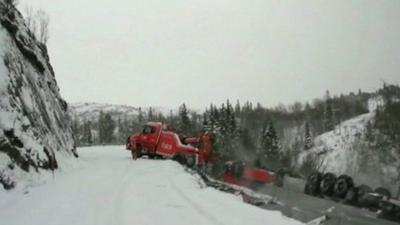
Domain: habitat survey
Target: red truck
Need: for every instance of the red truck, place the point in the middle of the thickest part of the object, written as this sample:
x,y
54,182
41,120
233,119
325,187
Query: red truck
x,y
159,140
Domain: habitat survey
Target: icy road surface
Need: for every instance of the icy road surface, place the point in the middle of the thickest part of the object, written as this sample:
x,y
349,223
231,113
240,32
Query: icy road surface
x,y
111,189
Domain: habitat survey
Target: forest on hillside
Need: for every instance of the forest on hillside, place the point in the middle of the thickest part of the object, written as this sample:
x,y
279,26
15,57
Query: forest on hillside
x,y
245,131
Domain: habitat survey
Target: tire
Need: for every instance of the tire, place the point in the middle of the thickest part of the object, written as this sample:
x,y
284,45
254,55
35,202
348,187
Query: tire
x,y
351,196
190,161
384,192
139,151
180,159
313,184
342,185
362,196
363,190
327,184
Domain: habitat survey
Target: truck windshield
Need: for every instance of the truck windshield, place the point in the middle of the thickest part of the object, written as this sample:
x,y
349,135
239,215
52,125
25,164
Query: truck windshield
x,y
148,129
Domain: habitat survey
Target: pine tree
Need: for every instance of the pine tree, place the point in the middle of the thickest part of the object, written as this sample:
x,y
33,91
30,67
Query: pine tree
x,y
184,120
109,126
101,127
106,128
76,131
150,114
87,133
237,109
212,125
269,146
328,113
308,141
140,116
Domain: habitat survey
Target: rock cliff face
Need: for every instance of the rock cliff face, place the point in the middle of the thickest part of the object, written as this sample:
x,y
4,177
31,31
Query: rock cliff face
x,y
35,128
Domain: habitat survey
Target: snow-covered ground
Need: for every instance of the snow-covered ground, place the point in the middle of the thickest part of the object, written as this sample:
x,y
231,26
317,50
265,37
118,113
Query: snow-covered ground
x,y
109,188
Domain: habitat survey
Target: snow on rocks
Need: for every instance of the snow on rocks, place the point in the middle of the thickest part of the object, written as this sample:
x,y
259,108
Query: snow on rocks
x,y
35,128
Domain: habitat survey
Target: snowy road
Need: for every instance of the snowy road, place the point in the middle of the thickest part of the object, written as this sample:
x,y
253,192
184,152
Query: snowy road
x,y
111,189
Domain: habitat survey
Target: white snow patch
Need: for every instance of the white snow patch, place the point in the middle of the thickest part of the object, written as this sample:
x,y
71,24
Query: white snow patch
x,y
110,188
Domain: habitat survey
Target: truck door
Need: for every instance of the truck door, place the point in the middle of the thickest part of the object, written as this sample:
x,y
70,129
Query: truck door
x,y
149,138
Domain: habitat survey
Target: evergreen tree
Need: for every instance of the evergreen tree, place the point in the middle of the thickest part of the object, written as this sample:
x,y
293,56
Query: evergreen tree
x,y
87,133
150,114
101,128
140,116
109,126
76,130
237,109
184,120
308,140
106,128
246,141
269,146
328,113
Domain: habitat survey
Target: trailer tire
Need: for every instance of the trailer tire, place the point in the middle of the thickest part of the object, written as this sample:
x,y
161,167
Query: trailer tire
x,y
362,195
342,185
351,196
363,190
313,184
384,192
327,184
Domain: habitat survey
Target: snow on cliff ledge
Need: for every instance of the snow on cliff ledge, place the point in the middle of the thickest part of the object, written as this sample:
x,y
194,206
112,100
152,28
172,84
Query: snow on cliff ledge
x,y
35,129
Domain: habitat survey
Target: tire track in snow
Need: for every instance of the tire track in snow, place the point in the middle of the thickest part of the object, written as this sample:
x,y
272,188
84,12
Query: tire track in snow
x,y
194,205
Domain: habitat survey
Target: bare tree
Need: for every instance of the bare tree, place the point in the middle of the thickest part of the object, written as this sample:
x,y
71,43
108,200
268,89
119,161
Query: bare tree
x,y
43,21
30,19
38,23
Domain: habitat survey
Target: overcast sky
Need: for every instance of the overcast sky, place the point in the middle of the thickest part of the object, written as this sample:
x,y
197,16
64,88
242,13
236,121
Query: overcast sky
x,y
163,53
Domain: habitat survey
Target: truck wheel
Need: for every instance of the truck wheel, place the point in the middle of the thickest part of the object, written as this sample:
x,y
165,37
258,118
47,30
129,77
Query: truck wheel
x,y
327,184
384,192
342,185
139,151
190,161
362,192
180,159
313,184
351,196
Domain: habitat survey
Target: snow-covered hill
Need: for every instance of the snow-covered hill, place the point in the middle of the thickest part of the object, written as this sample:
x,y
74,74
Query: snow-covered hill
x,y
91,111
35,128
111,188
343,150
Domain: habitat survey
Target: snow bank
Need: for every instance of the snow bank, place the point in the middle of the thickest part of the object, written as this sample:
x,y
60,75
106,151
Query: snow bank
x,y
110,188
